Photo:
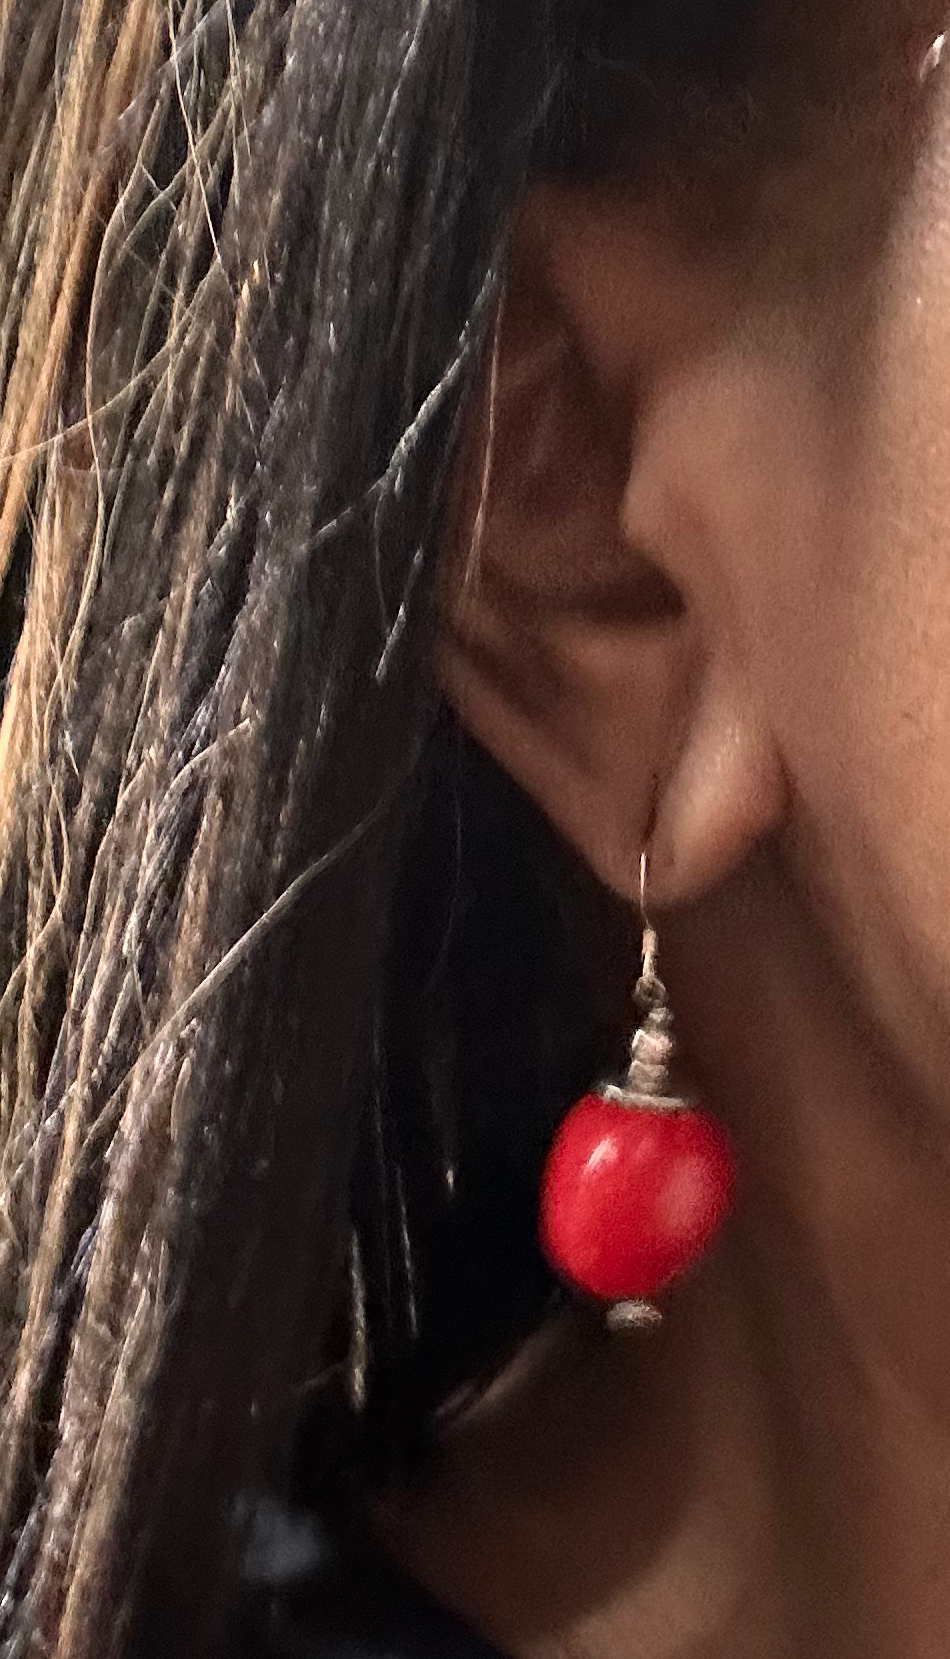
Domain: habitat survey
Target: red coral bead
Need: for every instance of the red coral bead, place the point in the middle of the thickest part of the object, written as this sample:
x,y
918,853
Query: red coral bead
x,y
632,1195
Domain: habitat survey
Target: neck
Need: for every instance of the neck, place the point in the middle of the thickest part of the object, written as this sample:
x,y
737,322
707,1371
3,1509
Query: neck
x,y
768,1474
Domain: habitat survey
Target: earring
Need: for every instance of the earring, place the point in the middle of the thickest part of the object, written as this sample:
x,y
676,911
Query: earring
x,y
639,1178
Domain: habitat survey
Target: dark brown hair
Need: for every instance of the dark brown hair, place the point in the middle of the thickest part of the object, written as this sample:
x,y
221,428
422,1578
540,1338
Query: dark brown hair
x,y
250,260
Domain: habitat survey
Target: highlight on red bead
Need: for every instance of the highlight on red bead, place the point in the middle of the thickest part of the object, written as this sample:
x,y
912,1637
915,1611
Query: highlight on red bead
x,y
632,1195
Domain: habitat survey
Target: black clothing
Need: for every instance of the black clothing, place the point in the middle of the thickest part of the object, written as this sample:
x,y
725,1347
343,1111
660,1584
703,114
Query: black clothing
x,y
318,1601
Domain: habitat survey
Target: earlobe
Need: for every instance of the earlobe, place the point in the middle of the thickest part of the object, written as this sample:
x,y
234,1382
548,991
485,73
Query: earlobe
x,y
725,791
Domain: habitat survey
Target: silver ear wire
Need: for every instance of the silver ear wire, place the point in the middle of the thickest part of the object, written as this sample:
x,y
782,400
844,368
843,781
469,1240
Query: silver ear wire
x,y
650,987
648,1076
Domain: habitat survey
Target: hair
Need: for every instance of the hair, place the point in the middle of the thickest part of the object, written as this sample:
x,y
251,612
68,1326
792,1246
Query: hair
x,y
251,261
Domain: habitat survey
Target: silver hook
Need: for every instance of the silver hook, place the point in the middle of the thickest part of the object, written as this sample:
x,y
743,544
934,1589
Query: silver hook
x,y
649,978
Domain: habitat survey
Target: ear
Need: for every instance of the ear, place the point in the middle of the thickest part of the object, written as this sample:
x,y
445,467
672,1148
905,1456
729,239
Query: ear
x,y
588,640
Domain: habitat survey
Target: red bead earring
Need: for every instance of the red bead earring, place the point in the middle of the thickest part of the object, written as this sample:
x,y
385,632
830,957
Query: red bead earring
x,y
639,1179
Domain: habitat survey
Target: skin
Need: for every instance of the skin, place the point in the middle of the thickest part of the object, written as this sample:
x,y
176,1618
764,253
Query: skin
x,y
710,603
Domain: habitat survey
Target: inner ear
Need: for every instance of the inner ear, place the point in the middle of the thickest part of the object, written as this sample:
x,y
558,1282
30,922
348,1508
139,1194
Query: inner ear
x,y
561,644
547,463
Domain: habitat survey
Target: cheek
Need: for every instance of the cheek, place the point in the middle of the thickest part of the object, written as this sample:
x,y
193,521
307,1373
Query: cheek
x,y
854,603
